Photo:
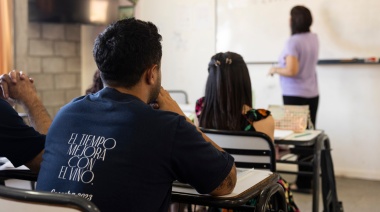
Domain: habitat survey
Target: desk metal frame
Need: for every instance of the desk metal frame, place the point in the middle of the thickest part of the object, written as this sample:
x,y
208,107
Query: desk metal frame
x,y
269,192
320,142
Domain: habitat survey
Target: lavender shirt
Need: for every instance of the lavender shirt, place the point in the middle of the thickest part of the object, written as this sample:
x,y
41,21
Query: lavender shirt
x,y
304,47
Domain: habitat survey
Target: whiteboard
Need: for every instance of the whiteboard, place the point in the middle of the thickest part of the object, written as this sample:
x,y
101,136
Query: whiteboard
x,y
258,29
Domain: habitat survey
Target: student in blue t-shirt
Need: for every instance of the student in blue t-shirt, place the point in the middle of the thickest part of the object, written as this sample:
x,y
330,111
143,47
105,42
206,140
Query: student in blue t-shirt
x,y
20,143
116,150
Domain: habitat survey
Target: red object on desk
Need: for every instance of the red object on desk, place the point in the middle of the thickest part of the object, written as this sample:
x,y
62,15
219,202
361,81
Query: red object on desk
x,y
371,60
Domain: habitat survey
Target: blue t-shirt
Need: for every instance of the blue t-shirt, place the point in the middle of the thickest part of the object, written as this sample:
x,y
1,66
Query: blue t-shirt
x,y
19,142
305,47
118,152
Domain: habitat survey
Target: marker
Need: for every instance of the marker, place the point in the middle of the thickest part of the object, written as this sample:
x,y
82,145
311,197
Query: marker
x,y
301,135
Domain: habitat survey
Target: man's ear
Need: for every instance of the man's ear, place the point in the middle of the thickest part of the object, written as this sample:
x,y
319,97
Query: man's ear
x,y
152,75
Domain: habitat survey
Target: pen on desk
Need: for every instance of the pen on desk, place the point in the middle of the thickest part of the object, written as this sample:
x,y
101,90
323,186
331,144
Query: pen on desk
x,y
301,135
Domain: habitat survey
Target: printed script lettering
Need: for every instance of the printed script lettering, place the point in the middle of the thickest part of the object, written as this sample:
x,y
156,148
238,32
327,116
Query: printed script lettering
x,y
84,151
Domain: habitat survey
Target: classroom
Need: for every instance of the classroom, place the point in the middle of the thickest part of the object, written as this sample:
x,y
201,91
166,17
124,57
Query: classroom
x,y
349,92
59,58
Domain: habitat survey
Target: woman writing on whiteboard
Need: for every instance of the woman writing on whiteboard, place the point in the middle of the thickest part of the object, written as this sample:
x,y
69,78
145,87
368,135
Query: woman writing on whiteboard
x,y
298,77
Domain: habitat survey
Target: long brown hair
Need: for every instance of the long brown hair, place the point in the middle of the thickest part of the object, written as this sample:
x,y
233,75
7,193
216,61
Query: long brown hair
x,y
97,83
228,88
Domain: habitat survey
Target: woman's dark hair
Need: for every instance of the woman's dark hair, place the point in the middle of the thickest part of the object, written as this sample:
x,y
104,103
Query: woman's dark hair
x,y
125,50
228,88
97,83
300,19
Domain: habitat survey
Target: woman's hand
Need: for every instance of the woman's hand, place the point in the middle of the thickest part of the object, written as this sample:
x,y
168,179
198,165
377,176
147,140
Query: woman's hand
x,y
290,70
272,71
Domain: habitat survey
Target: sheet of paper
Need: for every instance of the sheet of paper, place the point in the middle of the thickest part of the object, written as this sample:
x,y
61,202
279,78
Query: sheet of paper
x,y
245,180
307,135
9,166
281,134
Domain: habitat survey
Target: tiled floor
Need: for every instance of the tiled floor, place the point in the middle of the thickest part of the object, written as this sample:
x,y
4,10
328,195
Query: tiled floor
x,y
356,195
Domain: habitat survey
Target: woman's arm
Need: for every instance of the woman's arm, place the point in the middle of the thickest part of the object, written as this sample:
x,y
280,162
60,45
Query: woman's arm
x,y
291,69
265,125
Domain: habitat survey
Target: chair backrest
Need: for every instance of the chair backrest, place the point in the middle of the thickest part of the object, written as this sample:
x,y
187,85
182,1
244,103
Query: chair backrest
x,y
179,96
20,200
250,149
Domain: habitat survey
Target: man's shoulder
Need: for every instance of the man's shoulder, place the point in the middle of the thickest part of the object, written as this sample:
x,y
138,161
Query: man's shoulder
x,y
76,99
3,104
6,109
163,115
167,120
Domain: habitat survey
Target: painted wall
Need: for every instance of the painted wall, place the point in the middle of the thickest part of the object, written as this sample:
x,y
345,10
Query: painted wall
x,y
349,102
188,31
88,65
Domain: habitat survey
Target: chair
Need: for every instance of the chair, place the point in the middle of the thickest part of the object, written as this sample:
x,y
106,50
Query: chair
x,y
250,149
329,192
26,175
179,96
275,195
19,200
14,199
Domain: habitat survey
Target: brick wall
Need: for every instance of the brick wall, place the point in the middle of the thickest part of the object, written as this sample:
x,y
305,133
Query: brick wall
x,y
53,60
49,53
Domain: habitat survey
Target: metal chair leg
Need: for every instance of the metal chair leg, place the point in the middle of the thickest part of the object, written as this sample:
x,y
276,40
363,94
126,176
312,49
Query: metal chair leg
x,y
272,196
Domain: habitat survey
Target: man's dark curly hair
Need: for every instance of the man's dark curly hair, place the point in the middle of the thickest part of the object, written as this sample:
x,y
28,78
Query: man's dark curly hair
x,y
125,49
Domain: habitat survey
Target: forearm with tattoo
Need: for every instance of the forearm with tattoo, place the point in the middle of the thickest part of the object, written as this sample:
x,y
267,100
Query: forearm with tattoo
x,y
228,184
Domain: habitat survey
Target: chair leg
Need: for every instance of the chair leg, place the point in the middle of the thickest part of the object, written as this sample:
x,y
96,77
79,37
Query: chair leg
x,y
330,196
272,196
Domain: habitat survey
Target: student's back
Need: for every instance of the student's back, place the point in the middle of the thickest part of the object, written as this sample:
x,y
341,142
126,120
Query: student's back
x,y
227,104
120,159
114,149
